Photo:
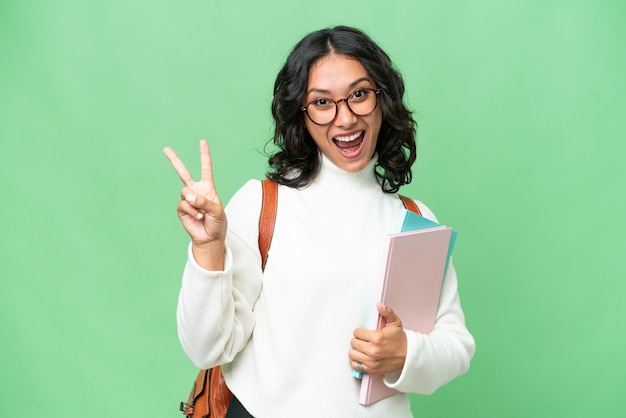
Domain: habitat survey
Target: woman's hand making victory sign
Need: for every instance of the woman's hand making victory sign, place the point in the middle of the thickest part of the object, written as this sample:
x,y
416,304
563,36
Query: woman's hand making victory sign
x,y
200,210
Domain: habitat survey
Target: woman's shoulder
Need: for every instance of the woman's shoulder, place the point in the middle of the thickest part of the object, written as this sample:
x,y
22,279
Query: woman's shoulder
x,y
246,201
249,187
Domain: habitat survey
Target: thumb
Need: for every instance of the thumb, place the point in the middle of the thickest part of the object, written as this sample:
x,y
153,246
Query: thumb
x,y
389,316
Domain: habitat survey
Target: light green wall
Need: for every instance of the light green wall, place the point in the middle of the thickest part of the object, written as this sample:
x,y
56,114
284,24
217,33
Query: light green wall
x,y
521,108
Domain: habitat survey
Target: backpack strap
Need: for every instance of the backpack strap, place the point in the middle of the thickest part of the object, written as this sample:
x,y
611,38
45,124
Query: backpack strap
x,y
410,204
267,220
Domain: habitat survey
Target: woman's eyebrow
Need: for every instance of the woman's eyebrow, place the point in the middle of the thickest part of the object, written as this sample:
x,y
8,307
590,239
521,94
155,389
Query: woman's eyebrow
x,y
350,86
358,81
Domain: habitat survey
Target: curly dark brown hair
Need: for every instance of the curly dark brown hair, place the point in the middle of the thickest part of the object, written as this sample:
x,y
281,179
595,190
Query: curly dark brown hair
x,y
297,160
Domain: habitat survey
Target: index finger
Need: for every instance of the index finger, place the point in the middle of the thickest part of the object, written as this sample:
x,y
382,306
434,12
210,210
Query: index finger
x,y
179,167
364,334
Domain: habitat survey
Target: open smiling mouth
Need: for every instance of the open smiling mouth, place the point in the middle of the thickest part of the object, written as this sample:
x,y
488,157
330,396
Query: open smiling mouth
x,y
351,144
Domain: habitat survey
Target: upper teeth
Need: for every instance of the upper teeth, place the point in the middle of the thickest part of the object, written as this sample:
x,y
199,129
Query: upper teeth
x,y
348,138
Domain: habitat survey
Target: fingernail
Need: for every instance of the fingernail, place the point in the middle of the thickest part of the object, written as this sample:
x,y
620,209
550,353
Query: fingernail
x,y
191,198
199,215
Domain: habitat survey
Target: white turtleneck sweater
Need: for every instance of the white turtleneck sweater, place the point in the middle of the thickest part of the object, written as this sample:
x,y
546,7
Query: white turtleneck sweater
x,y
283,335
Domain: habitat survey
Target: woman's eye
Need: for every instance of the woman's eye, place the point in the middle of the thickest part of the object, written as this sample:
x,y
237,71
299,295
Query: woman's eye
x,y
320,103
360,95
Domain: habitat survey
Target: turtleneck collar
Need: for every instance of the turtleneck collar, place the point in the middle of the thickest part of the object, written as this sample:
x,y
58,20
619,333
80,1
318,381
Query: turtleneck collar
x,y
331,176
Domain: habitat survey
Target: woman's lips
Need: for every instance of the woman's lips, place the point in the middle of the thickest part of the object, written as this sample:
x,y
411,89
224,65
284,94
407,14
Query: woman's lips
x,y
350,145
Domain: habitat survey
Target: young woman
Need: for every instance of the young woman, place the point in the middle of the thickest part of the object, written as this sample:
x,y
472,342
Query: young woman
x,y
288,336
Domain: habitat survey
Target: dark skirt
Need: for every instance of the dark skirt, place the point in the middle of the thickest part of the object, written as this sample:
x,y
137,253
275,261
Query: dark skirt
x,y
236,409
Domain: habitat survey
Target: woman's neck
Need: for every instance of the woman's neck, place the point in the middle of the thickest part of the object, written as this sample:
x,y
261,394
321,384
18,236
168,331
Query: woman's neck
x,y
331,176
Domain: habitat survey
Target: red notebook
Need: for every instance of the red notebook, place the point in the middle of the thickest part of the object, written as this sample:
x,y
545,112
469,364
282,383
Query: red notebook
x,y
411,279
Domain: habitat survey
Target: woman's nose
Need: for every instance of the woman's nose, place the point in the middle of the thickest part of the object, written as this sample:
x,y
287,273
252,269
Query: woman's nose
x,y
345,116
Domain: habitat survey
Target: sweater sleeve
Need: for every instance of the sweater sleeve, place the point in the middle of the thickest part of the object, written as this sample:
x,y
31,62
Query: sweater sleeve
x,y
435,359
215,308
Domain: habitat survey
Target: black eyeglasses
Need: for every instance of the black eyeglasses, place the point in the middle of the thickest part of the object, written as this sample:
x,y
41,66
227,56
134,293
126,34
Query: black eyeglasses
x,y
323,111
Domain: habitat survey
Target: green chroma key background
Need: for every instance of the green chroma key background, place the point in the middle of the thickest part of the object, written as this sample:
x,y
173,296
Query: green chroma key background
x,y
521,109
